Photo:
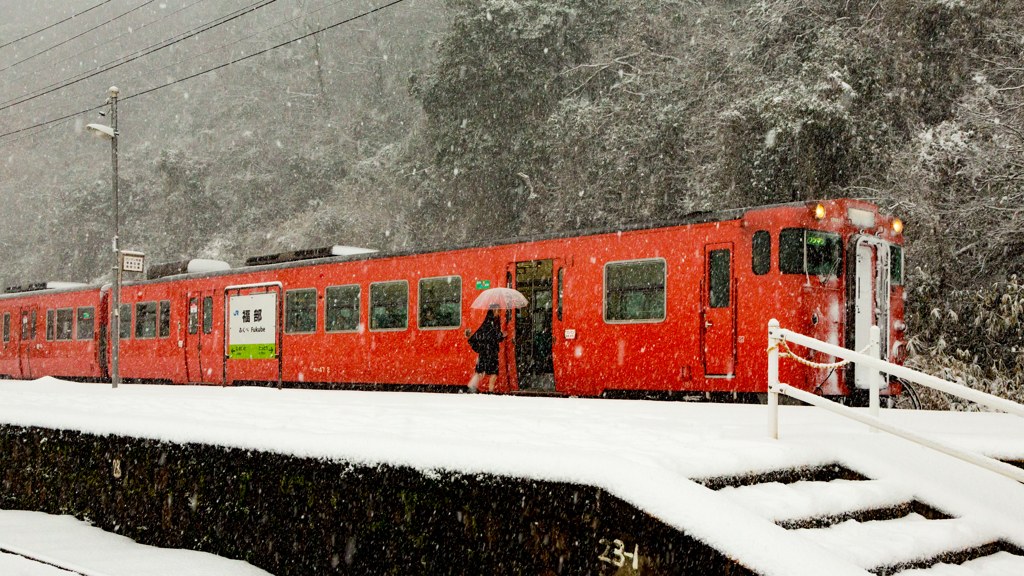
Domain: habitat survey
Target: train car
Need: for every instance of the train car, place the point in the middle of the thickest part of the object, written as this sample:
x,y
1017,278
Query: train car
x,y
53,329
680,308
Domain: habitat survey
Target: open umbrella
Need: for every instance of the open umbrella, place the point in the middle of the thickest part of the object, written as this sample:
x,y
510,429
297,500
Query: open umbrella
x,y
499,299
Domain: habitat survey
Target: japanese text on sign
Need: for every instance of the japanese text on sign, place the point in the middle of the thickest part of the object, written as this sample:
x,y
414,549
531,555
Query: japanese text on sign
x,y
252,327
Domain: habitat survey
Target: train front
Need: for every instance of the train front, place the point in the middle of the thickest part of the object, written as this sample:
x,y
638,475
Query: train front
x,y
842,262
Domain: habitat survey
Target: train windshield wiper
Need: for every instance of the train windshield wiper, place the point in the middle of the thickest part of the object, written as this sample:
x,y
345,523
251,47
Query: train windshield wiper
x,y
831,269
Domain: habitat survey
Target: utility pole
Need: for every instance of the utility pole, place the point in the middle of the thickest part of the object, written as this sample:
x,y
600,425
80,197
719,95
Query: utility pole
x,y
115,325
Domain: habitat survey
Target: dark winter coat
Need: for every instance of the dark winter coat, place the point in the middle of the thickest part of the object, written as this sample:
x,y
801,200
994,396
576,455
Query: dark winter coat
x,y
486,339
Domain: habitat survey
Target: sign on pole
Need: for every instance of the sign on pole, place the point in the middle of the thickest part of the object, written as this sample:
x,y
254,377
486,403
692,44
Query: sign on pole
x,y
133,261
252,327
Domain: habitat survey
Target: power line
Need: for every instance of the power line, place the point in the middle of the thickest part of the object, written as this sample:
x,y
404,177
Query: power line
x,y
48,123
115,38
54,121
208,70
72,17
118,37
240,40
118,17
264,51
140,53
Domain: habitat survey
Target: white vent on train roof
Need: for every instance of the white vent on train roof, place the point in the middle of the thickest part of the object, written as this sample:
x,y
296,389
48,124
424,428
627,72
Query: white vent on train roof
x,y
64,285
350,250
202,265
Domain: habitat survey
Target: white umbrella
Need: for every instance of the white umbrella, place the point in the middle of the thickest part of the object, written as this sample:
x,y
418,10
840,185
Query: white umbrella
x,y
499,299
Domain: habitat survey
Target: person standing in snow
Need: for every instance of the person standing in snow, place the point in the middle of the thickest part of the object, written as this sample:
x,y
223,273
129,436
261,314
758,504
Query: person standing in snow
x,y
485,343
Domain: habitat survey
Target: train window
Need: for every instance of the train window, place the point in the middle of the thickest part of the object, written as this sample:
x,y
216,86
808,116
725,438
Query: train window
x,y
441,302
193,315
65,323
389,305
791,251
761,252
124,327
207,314
32,325
86,323
811,252
24,324
824,253
7,326
300,311
561,283
145,320
634,291
50,324
896,265
718,284
341,309
165,318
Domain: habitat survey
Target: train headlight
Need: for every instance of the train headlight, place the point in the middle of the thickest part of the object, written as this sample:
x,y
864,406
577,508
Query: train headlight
x,y
897,226
819,212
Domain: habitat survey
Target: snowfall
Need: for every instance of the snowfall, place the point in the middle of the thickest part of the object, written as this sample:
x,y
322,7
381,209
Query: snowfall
x,y
647,453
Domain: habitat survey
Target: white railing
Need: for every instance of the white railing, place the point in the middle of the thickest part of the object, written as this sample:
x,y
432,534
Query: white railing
x,y
776,336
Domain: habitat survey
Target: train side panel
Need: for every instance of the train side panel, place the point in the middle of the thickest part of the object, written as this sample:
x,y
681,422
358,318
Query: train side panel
x,y
53,334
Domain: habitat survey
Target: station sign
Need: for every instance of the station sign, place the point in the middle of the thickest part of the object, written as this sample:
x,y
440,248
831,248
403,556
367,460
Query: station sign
x,y
133,261
252,326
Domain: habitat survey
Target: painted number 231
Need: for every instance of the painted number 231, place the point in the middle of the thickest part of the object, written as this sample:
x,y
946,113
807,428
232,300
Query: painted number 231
x,y
615,553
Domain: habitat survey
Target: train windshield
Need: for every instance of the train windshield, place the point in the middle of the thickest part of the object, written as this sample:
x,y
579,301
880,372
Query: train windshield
x,y
814,252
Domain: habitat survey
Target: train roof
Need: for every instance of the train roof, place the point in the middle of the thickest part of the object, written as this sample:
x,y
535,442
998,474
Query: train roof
x,y
699,217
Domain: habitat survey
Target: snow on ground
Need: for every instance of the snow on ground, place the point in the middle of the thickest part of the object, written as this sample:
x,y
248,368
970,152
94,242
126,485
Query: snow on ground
x,y
646,453
1000,564
798,500
76,546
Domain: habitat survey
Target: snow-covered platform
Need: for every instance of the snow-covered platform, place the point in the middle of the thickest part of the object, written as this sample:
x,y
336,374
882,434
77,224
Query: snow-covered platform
x,y
37,544
894,505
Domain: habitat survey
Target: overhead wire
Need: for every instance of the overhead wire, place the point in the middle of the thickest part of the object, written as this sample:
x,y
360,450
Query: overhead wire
x,y
72,17
208,70
139,29
77,36
115,38
264,51
112,39
253,35
139,54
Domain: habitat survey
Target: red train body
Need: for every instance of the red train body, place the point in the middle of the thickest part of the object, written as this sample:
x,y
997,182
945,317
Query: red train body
x,y
678,308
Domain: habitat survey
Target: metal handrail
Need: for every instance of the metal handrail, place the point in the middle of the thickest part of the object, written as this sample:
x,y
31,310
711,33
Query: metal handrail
x,y
776,334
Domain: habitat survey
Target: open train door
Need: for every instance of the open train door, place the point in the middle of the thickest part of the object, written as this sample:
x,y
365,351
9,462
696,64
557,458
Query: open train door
x,y
532,329
718,303
253,337
869,293
204,343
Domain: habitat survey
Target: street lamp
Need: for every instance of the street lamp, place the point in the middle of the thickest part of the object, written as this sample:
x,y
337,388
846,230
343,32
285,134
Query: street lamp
x,y
110,133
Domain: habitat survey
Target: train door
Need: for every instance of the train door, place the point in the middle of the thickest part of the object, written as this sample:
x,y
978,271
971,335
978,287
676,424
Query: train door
x,y
9,352
870,298
28,333
203,346
254,333
718,302
533,326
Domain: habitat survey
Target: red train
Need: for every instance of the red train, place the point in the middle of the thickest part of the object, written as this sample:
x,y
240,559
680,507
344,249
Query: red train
x,y
675,308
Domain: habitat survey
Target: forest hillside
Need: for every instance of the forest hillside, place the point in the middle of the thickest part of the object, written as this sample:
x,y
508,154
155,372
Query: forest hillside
x,y
437,122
